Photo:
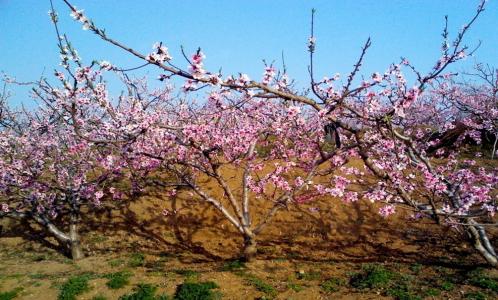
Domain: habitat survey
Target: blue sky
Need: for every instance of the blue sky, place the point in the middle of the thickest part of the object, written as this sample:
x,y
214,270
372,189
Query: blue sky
x,y
238,35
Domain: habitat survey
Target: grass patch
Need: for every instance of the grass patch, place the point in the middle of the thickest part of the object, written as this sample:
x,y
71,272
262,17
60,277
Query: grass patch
x,y
190,275
117,280
432,292
99,297
197,291
416,268
39,276
10,294
144,292
233,265
371,277
309,276
476,296
116,262
260,285
393,284
74,286
447,286
401,291
136,260
479,279
332,285
295,287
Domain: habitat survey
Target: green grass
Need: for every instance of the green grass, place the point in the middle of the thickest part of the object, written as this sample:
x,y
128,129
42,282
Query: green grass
x,y
479,279
144,292
476,296
309,276
401,291
10,294
371,277
432,292
295,287
39,276
116,262
416,268
196,291
233,265
187,273
136,260
74,286
260,285
99,297
117,280
332,285
447,286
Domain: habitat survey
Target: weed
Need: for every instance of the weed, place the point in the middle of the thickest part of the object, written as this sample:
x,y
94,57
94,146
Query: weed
x,y
10,294
372,276
233,265
144,292
401,291
190,275
260,285
39,276
74,286
331,285
432,292
295,287
447,286
479,279
116,262
476,296
136,260
117,280
416,268
302,275
196,291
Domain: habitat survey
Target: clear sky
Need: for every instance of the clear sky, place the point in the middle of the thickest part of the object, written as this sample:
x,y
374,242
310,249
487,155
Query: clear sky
x,y
238,35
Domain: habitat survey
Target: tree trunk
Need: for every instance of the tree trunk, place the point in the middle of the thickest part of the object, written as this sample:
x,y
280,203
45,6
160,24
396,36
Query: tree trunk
x,y
74,239
481,243
250,248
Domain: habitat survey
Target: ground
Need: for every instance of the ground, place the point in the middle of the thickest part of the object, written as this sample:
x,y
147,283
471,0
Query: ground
x,y
323,250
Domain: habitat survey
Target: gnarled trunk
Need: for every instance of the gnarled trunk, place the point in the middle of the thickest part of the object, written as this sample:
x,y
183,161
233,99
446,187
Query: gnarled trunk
x,y
250,248
481,243
74,239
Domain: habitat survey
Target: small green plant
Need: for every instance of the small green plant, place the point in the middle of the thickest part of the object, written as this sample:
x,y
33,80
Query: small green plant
x,y
479,279
116,262
331,285
312,275
144,292
39,276
372,276
432,292
191,274
476,296
117,280
416,268
233,265
196,291
401,291
295,287
10,294
74,286
136,260
447,286
260,285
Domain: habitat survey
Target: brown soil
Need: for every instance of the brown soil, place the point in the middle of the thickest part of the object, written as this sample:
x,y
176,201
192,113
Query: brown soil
x,y
334,238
